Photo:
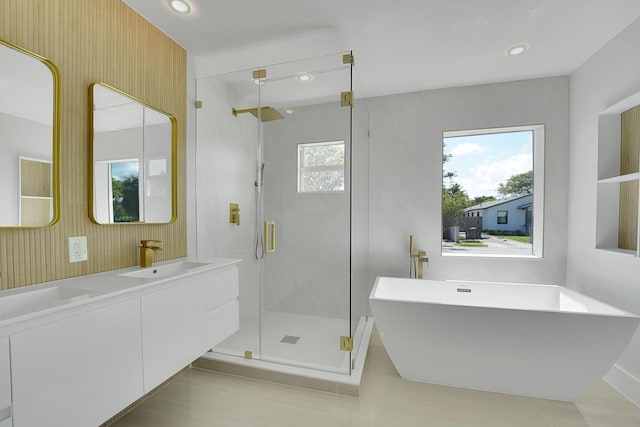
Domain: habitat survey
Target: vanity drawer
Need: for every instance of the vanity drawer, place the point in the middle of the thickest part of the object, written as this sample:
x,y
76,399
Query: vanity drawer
x,y
5,377
222,287
222,322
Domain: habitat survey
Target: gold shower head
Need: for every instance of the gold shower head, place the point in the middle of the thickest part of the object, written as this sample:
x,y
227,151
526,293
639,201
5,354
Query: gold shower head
x,y
267,114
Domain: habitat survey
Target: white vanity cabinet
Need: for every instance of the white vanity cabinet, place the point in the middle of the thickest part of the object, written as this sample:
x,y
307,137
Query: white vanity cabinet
x,y
79,370
174,330
5,384
223,316
82,364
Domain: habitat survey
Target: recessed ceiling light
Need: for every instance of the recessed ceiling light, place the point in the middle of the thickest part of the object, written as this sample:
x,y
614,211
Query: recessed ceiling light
x,y
517,49
304,77
288,111
180,6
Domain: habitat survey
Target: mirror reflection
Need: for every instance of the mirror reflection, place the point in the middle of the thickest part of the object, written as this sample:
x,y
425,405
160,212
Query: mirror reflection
x,y
29,139
133,160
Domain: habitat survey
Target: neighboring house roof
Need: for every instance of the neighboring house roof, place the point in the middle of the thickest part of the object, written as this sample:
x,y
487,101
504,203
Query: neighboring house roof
x,y
526,205
492,203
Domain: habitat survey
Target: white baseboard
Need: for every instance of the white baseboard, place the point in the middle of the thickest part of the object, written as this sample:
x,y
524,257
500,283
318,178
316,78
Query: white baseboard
x,y
625,383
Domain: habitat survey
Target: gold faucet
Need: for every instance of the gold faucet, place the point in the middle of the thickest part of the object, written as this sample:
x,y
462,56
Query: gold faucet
x,y
146,252
420,257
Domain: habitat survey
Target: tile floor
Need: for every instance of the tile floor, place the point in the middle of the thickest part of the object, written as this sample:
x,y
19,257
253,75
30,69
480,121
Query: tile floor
x,y
202,398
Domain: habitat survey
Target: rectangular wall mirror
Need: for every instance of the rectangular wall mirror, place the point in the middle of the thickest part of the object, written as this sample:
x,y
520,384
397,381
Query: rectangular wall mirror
x,y
133,160
29,129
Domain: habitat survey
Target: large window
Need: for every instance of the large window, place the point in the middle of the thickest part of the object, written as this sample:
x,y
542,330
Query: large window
x,y
492,191
321,167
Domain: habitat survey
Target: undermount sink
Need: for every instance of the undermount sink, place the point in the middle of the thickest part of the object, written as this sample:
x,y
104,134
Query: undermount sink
x,y
40,299
165,270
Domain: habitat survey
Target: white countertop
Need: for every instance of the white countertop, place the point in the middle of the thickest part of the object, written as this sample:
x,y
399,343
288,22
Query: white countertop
x,y
27,306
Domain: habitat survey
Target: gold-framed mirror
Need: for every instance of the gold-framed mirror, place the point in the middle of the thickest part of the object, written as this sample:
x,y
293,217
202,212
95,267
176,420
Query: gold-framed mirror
x,y
29,137
132,159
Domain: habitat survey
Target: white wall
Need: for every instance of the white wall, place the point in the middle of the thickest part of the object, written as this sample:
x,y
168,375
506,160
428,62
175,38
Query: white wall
x,y
406,175
610,75
21,137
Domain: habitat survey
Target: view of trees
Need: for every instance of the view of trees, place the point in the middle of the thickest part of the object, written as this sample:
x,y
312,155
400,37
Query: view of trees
x,y
517,185
126,204
322,167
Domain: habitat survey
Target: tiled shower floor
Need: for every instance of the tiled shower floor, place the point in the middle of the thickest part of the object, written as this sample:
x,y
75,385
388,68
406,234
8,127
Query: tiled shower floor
x,y
317,345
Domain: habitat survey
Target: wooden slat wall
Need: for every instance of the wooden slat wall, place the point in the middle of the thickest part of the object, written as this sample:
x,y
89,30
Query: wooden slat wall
x,y
629,160
628,216
35,179
630,140
89,41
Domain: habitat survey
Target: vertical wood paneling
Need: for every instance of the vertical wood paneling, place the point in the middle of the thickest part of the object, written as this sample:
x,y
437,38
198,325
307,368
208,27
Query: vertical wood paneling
x,y
629,160
35,178
630,140
89,41
628,216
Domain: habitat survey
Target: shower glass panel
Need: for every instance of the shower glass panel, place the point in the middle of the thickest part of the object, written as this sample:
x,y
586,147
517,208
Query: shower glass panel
x,y
306,194
277,140
226,158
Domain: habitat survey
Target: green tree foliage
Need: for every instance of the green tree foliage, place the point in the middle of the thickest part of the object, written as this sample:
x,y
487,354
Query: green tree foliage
x,y
329,179
517,185
481,199
454,199
126,204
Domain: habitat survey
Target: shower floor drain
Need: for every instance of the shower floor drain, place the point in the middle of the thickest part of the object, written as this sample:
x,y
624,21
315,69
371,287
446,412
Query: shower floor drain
x,y
290,339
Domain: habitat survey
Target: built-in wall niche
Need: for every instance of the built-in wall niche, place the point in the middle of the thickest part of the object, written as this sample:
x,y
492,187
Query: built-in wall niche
x,y
36,192
617,227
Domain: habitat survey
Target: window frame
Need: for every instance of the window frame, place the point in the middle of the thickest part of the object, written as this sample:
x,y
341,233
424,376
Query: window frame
x,y
499,218
538,148
301,169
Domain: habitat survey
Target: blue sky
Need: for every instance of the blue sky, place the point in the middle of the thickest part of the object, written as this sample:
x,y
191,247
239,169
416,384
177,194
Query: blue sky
x,y
122,170
482,162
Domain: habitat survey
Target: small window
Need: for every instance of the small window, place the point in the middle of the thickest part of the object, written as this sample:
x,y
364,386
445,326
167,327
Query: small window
x,y
321,167
503,217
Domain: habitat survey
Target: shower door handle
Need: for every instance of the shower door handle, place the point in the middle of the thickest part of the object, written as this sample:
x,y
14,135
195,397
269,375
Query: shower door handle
x,y
269,237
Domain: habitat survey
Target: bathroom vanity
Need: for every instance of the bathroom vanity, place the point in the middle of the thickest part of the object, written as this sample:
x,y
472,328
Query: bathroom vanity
x,y
76,352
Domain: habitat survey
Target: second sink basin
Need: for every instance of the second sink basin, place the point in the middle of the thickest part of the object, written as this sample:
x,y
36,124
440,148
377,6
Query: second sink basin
x,y
39,299
166,270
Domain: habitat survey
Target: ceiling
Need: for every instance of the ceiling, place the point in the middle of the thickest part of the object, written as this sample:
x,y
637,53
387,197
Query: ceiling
x,y
399,46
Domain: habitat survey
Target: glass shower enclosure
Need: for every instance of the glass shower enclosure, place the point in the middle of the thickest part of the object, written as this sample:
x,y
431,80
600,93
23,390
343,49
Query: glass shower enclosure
x,y
277,141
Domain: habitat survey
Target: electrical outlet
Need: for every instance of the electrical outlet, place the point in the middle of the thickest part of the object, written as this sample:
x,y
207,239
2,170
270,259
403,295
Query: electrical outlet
x,y
78,249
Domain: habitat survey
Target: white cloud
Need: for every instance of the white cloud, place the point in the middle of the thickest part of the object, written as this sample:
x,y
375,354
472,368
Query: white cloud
x,y
485,178
467,148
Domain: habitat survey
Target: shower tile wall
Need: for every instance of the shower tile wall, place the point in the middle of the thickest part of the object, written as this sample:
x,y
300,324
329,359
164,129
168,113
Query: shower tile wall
x,y
308,279
309,272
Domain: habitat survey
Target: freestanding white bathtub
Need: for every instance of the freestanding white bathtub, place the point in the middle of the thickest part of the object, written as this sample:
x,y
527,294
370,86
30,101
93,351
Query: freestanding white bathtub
x,y
532,340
